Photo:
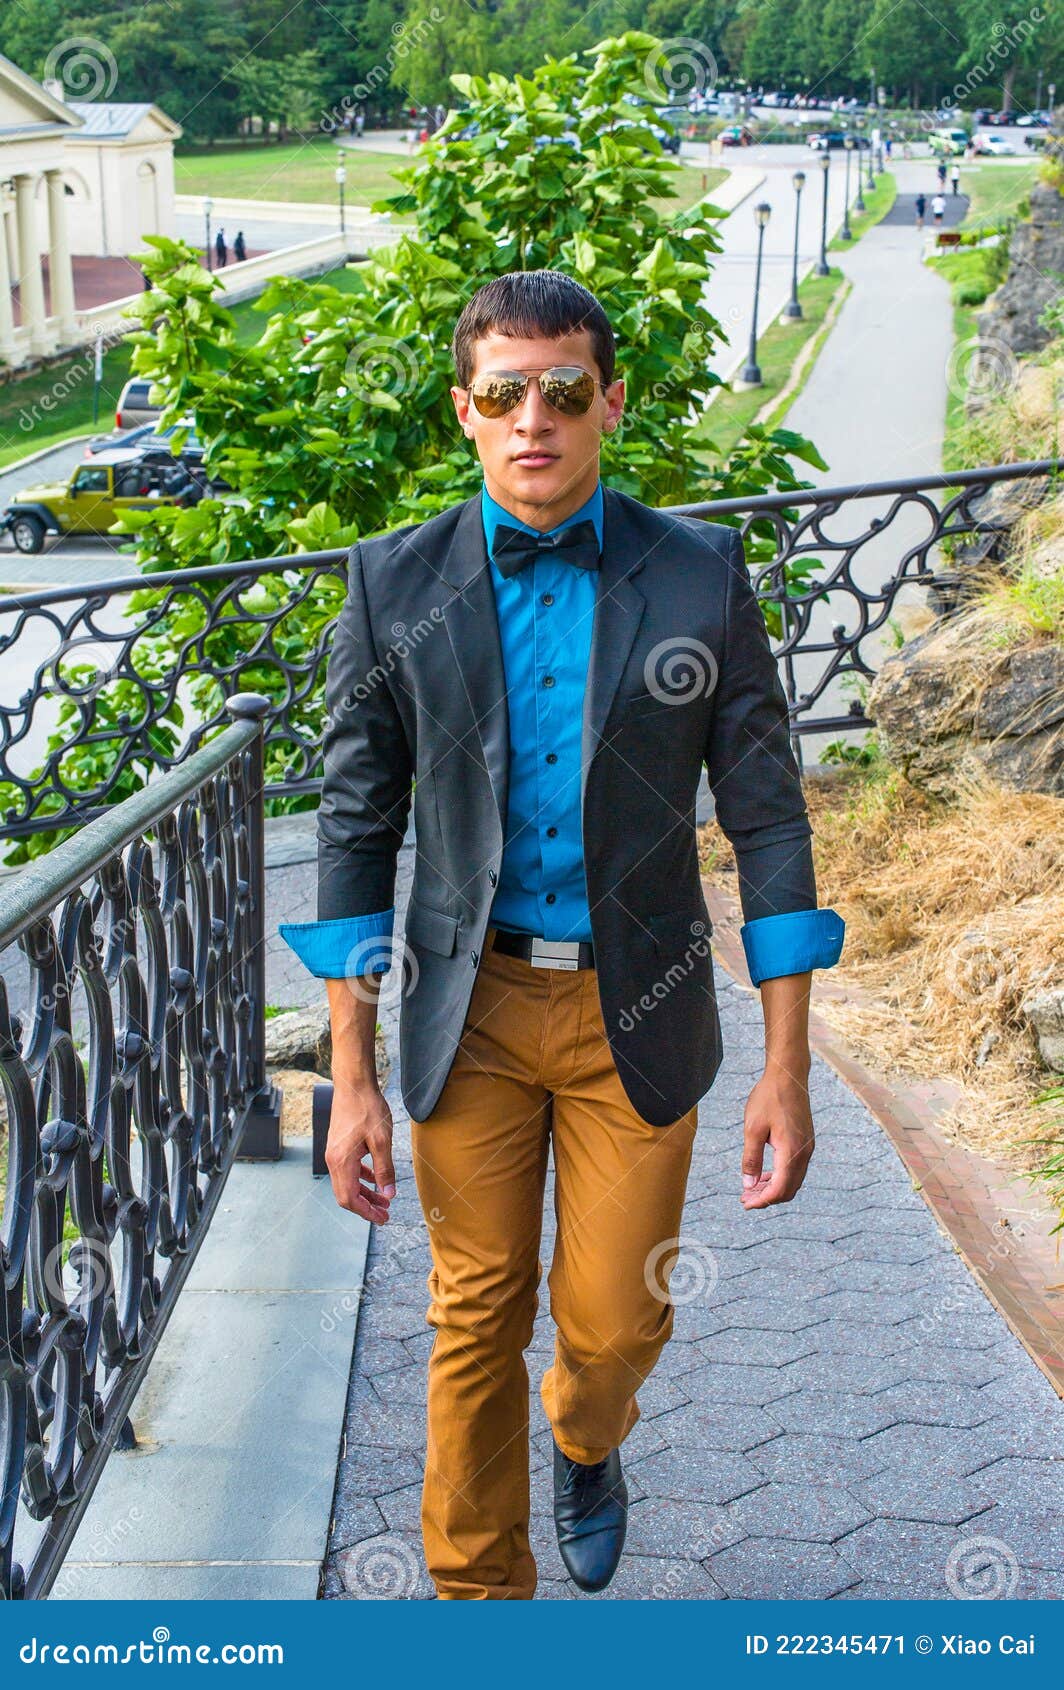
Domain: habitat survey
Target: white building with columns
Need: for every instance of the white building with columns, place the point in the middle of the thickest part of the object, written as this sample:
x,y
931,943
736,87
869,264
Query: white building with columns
x,y
77,179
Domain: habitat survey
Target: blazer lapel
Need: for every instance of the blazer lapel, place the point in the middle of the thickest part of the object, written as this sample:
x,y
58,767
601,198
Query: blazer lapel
x,y
619,607
472,622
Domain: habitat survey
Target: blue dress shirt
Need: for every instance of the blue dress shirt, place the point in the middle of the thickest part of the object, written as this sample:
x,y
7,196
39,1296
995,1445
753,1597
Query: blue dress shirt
x,y
546,611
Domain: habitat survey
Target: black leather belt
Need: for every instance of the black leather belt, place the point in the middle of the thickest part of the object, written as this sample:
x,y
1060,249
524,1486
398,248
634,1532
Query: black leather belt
x,y
545,953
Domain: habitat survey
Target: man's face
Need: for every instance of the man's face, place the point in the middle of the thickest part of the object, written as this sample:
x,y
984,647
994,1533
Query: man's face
x,y
538,462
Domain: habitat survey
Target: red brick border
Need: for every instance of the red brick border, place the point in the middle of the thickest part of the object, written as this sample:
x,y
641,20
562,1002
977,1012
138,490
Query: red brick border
x,y
999,1227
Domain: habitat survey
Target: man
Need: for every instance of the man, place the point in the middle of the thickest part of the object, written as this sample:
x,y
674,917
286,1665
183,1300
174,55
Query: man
x,y
921,207
955,176
552,661
938,208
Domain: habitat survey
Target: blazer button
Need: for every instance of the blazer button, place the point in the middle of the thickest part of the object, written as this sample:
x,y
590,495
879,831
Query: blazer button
x,y
493,877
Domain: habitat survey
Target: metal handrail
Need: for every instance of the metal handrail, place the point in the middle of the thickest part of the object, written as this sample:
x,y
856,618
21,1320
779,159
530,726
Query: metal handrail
x,y
707,508
182,1065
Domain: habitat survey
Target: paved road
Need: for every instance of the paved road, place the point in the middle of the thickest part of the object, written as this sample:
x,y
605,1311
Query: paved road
x,y
841,1412
875,405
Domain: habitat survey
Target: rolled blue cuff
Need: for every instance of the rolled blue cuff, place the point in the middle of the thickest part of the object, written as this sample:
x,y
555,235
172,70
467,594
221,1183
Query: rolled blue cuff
x,y
343,949
792,943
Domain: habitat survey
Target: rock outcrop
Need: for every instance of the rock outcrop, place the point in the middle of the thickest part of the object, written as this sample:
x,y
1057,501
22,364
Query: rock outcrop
x,y
1036,261
955,704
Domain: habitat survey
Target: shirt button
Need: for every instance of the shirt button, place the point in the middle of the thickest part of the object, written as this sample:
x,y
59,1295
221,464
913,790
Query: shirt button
x,y
552,832
548,680
493,877
550,899
552,756
548,598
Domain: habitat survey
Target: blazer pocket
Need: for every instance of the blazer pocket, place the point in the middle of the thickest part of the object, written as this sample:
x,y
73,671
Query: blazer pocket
x,y
433,929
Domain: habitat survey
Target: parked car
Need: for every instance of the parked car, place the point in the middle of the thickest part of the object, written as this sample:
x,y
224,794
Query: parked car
x,y
993,146
134,406
1000,119
90,500
828,140
736,135
1033,120
145,435
948,143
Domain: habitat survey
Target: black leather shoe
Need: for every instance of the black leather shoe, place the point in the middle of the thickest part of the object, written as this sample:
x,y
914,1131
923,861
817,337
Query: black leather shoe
x,y
591,1517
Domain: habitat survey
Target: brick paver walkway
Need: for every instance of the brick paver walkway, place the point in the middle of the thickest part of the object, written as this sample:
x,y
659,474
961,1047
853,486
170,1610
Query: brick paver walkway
x,y
841,1412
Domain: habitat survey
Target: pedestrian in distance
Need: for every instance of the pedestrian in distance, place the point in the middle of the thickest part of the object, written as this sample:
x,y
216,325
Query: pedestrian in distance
x,y
240,251
221,251
955,177
921,207
938,207
942,173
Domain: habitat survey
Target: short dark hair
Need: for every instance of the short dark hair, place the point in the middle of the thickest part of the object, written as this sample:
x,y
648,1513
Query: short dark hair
x,y
526,303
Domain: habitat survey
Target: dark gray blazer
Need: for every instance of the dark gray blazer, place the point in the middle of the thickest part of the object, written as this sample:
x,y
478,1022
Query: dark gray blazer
x,y
681,673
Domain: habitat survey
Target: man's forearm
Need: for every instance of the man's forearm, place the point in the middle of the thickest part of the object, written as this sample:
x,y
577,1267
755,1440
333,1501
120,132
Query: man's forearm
x,y
353,1014
785,1006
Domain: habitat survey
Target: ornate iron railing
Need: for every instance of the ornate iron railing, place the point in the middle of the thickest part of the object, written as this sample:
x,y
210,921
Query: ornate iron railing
x,y
140,685
147,926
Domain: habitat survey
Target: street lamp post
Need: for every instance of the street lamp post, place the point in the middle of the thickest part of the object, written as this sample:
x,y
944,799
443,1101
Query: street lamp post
x,y
793,308
751,376
823,268
845,232
208,206
341,178
871,156
858,204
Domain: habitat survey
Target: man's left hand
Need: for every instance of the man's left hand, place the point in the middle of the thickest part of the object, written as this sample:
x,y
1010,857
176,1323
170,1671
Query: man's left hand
x,y
777,1113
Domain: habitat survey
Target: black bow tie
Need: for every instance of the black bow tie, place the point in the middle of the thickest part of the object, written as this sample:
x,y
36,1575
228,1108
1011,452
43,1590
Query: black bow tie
x,y
512,548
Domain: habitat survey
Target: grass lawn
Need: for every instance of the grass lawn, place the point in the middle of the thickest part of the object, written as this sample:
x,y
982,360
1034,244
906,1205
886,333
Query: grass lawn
x,y
996,186
50,406
730,413
300,171
878,202
303,171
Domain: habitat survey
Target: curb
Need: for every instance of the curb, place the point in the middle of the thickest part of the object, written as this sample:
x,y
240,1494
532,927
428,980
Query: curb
x,y
44,451
999,1230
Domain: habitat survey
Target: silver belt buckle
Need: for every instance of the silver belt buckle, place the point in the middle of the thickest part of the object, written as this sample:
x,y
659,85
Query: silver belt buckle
x,y
555,953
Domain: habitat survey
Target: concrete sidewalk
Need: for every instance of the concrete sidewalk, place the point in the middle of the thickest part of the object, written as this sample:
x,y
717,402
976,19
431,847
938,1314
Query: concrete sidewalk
x,y
239,1422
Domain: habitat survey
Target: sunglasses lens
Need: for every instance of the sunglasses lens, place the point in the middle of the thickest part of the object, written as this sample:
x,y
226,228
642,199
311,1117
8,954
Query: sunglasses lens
x,y
494,395
571,391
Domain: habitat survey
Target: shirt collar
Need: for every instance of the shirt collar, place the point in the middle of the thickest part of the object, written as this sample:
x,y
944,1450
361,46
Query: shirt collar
x,y
493,513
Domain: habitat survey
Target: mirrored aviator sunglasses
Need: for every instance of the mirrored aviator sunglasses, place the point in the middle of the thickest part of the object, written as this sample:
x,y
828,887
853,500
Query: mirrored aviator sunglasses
x,y
568,389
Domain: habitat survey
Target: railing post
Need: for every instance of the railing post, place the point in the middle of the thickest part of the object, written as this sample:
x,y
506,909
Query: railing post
x,y
262,1139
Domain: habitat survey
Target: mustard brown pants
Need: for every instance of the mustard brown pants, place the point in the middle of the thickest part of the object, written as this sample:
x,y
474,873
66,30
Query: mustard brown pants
x,y
534,1068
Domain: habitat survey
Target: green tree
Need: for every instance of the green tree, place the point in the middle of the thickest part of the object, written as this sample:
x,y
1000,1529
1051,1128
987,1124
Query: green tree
x,y
337,422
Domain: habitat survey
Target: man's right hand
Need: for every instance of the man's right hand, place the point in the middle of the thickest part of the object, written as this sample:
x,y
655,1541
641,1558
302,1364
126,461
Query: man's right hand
x,y
358,1152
